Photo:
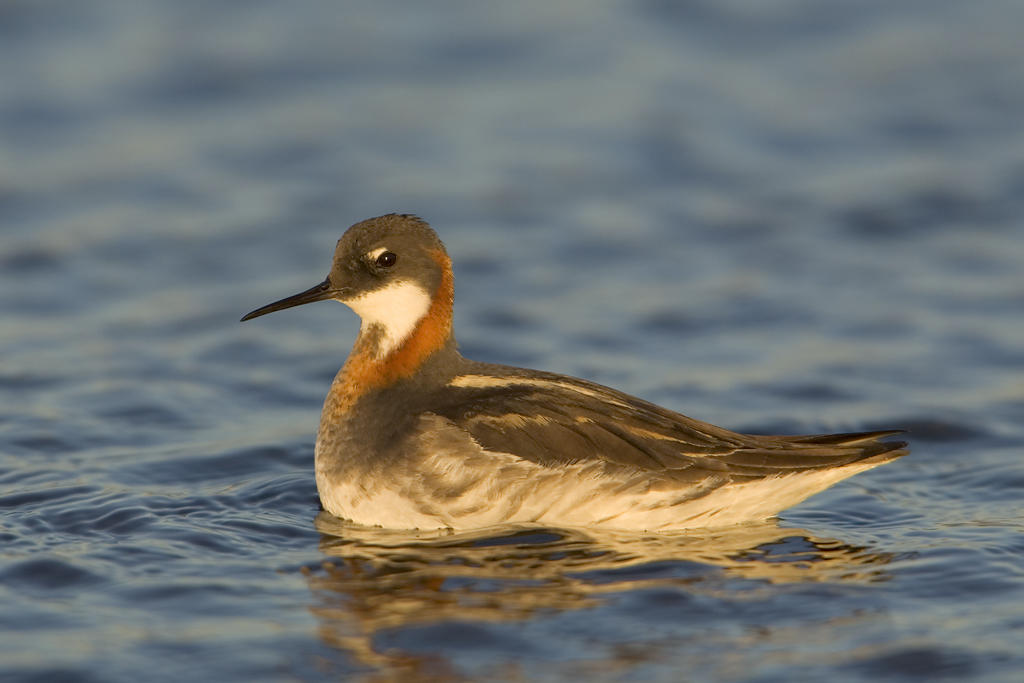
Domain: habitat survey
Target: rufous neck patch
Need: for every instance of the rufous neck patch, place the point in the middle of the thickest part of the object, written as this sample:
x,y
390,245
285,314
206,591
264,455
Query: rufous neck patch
x,y
395,340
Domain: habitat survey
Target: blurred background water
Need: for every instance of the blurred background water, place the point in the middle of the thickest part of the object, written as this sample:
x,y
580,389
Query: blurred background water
x,y
785,216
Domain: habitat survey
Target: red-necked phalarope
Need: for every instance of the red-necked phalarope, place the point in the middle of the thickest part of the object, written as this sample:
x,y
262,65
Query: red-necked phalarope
x,y
413,435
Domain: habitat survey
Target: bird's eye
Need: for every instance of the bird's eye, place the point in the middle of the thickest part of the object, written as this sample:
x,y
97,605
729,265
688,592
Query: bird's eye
x,y
387,259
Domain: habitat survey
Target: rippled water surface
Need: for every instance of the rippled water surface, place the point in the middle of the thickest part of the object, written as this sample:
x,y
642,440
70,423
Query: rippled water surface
x,y
787,216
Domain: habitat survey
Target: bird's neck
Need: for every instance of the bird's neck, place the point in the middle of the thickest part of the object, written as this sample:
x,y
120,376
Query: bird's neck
x,y
384,354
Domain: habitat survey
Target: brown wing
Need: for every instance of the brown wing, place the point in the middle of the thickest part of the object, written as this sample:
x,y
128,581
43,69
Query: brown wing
x,y
554,420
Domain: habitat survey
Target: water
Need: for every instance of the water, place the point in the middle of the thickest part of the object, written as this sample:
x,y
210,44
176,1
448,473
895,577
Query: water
x,y
780,217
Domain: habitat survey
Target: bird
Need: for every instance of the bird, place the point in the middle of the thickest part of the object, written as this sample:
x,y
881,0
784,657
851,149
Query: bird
x,y
413,435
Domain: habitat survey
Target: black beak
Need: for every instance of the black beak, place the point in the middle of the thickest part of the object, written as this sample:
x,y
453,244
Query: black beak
x,y
318,292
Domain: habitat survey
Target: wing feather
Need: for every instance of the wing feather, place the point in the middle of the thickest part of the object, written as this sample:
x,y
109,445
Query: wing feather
x,y
553,420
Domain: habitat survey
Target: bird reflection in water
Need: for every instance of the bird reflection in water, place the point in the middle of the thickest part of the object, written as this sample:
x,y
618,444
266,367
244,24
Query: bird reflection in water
x,y
377,580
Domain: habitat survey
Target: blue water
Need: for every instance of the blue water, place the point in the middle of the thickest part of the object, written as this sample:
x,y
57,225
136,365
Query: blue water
x,y
787,216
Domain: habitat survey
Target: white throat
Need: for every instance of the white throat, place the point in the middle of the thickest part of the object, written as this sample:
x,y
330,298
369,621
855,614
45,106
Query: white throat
x,y
396,308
